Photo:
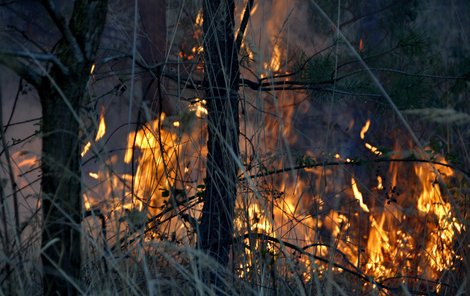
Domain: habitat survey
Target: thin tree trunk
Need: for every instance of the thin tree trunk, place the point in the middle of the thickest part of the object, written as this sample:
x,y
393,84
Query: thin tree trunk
x,y
61,93
221,80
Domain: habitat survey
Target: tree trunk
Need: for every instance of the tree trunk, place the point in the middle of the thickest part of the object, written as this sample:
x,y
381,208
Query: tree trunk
x,y
61,93
221,81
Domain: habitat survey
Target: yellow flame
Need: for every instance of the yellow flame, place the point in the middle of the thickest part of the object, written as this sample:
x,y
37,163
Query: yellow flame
x,y
373,149
199,18
199,107
362,135
85,149
275,63
101,127
439,247
364,129
93,175
380,185
176,123
358,195
92,69
86,202
152,172
377,243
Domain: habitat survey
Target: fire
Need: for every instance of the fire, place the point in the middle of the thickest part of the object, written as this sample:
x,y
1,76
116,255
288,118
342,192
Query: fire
x,y
156,164
380,185
362,135
364,129
27,162
361,45
199,19
93,175
275,63
358,195
92,69
86,148
199,107
431,204
86,202
396,234
101,127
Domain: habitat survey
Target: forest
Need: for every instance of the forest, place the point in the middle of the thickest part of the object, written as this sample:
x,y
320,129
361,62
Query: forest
x,y
234,147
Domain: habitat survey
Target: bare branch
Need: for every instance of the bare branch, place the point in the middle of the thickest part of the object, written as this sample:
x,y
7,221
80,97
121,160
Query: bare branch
x,y
63,27
243,25
38,57
21,69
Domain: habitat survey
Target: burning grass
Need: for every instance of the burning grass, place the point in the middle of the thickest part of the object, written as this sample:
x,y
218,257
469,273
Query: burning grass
x,y
330,201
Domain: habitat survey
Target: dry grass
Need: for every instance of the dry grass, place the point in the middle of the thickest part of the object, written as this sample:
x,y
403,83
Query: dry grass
x,y
288,138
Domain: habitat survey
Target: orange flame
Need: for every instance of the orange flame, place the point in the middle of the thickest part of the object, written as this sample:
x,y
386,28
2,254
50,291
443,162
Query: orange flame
x,y
275,63
364,129
101,127
358,195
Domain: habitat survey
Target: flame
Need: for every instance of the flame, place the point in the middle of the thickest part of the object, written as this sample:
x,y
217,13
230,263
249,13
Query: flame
x,y
380,185
377,239
29,162
101,127
154,168
361,45
364,129
86,202
199,19
275,63
430,203
93,175
374,150
197,49
92,69
362,135
358,195
86,148
199,107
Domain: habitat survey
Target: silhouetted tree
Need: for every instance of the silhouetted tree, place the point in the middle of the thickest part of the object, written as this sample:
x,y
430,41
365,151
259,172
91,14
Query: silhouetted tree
x,y
221,86
61,84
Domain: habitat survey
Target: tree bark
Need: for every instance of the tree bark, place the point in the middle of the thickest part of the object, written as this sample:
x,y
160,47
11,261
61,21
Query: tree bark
x,y
221,82
61,95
